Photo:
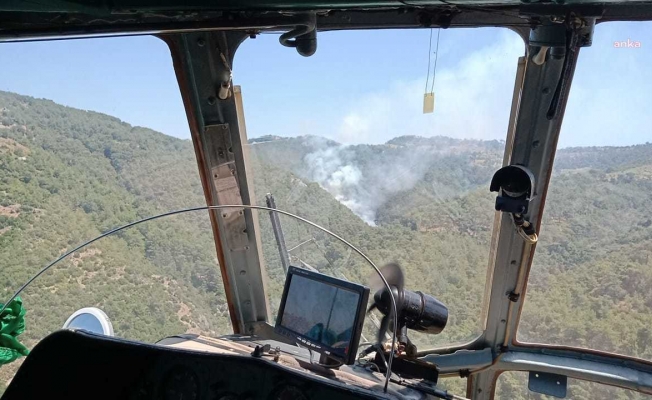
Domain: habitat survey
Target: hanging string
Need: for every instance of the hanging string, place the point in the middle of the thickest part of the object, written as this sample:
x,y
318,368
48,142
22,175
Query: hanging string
x,y
429,57
434,70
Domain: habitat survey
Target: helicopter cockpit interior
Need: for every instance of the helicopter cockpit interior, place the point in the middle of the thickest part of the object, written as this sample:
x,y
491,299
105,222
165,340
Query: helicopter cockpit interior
x,y
362,250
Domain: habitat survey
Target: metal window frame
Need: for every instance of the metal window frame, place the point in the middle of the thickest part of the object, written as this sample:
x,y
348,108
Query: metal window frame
x,y
532,141
202,63
535,138
201,73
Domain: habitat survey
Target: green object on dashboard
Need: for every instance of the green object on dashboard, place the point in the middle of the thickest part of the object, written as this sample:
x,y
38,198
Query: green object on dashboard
x,y
12,324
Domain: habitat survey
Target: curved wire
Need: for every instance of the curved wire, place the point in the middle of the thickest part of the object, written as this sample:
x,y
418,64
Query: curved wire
x,y
191,209
531,239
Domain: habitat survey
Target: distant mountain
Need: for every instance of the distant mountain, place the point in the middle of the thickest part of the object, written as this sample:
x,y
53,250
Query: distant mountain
x,y
68,175
604,158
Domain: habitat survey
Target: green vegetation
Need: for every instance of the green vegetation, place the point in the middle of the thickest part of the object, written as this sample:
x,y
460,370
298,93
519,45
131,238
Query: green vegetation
x,y
68,175
514,385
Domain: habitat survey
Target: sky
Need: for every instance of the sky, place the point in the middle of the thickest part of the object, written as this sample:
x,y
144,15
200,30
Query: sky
x,y
360,87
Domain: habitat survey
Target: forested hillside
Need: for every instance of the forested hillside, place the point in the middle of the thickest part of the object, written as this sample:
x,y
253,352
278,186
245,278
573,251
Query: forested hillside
x,y
68,175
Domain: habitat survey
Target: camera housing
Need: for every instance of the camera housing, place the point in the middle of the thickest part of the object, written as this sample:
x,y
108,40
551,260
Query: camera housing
x,y
515,185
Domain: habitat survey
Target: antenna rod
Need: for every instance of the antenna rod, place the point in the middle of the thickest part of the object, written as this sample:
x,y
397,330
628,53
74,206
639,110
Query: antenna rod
x,y
278,233
300,244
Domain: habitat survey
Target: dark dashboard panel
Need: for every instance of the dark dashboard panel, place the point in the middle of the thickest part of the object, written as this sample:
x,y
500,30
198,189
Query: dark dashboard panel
x,y
79,365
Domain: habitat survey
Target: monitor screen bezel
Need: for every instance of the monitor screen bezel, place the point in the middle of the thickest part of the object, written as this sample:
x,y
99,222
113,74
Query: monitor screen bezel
x,y
321,348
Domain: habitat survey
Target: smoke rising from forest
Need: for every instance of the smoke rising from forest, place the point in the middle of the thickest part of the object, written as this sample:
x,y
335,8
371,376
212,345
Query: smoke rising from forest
x,y
364,177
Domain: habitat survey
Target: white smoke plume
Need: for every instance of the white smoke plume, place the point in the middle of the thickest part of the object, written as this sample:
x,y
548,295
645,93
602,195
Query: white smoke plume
x,y
473,102
326,167
363,183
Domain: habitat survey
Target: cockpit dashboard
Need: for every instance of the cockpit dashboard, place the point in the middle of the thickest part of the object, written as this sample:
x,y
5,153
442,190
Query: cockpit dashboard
x,y
81,365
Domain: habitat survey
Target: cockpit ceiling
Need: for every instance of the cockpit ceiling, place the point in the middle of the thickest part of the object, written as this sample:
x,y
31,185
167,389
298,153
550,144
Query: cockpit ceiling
x,y
141,5
620,9
28,20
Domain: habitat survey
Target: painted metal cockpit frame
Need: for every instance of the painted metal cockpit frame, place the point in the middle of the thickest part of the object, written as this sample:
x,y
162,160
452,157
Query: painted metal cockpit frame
x,y
203,38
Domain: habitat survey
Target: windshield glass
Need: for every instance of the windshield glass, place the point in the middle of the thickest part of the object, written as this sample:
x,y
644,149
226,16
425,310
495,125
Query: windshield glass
x,y
358,157
341,138
69,174
591,278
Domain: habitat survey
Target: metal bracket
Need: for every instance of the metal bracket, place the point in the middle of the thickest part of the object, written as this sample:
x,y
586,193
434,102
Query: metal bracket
x,y
220,157
234,221
546,383
461,360
586,365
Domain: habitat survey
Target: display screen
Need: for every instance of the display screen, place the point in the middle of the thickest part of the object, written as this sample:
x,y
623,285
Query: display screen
x,y
325,314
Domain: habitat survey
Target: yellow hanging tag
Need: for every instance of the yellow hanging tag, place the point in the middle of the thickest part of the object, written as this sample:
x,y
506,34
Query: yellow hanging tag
x,y
429,103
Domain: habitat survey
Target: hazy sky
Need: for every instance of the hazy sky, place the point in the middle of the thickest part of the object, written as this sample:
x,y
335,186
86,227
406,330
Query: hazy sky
x,y
360,87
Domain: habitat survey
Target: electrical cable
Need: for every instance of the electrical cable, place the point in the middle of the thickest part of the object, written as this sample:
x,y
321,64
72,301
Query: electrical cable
x,y
531,239
289,38
382,356
373,364
221,207
293,37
